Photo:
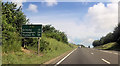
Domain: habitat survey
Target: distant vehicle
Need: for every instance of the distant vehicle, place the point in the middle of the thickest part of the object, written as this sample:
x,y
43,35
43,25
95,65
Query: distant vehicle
x,y
88,46
79,47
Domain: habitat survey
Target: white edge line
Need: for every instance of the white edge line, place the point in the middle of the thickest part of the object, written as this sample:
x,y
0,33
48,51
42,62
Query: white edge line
x,y
64,58
105,61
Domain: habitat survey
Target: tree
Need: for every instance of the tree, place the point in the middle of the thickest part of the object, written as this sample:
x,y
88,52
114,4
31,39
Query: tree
x,y
12,20
48,28
14,15
116,32
51,32
110,37
96,43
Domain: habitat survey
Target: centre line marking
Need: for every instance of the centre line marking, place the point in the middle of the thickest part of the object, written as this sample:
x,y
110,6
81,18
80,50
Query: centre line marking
x,y
105,61
64,58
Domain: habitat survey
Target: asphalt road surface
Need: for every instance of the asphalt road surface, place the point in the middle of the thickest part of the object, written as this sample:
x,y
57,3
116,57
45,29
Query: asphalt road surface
x,y
90,56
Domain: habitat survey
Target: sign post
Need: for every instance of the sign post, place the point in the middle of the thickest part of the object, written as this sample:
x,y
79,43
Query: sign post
x,y
32,31
38,45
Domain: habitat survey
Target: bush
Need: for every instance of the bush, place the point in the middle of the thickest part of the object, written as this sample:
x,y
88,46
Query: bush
x,y
11,42
43,44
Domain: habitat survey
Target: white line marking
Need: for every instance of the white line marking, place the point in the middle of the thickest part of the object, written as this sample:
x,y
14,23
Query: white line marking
x,y
92,53
116,53
105,61
64,58
109,52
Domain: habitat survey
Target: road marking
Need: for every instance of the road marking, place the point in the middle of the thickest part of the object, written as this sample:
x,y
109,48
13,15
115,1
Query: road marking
x,y
105,61
64,58
92,53
109,52
116,53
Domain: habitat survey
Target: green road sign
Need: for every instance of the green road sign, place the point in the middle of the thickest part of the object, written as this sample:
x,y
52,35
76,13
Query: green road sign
x,y
31,30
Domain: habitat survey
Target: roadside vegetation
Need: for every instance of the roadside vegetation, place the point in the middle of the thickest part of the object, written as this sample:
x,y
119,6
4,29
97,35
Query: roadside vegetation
x,y
54,49
20,50
109,46
111,41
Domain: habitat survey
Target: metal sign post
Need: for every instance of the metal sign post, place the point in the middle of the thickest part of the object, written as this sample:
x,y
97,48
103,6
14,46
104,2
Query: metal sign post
x,y
39,38
38,45
32,31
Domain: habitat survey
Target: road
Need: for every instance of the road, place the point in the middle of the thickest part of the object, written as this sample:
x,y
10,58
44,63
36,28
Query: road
x,y
90,56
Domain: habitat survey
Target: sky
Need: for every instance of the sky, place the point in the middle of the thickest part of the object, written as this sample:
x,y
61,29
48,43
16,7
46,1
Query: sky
x,y
83,22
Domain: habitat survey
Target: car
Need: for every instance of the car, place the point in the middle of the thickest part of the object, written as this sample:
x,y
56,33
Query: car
x,y
79,47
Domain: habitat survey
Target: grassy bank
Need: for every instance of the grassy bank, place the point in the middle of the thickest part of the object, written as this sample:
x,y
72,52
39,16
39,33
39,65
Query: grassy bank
x,y
109,46
54,49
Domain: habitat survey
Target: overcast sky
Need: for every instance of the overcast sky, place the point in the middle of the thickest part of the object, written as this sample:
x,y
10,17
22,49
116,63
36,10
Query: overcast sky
x,y
83,22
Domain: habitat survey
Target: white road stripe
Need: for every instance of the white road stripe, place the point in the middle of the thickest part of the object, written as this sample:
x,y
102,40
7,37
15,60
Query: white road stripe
x,y
105,61
109,52
116,53
64,58
92,53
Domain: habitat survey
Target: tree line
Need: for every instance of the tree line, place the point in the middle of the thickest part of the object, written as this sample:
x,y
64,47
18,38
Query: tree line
x,y
110,37
51,32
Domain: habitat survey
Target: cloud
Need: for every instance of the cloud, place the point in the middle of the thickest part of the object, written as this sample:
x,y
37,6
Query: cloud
x,y
32,8
103,17
51,2
18,2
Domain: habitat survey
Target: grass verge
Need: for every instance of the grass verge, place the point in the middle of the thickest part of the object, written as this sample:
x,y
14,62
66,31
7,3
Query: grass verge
x,y
54,49
109,46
